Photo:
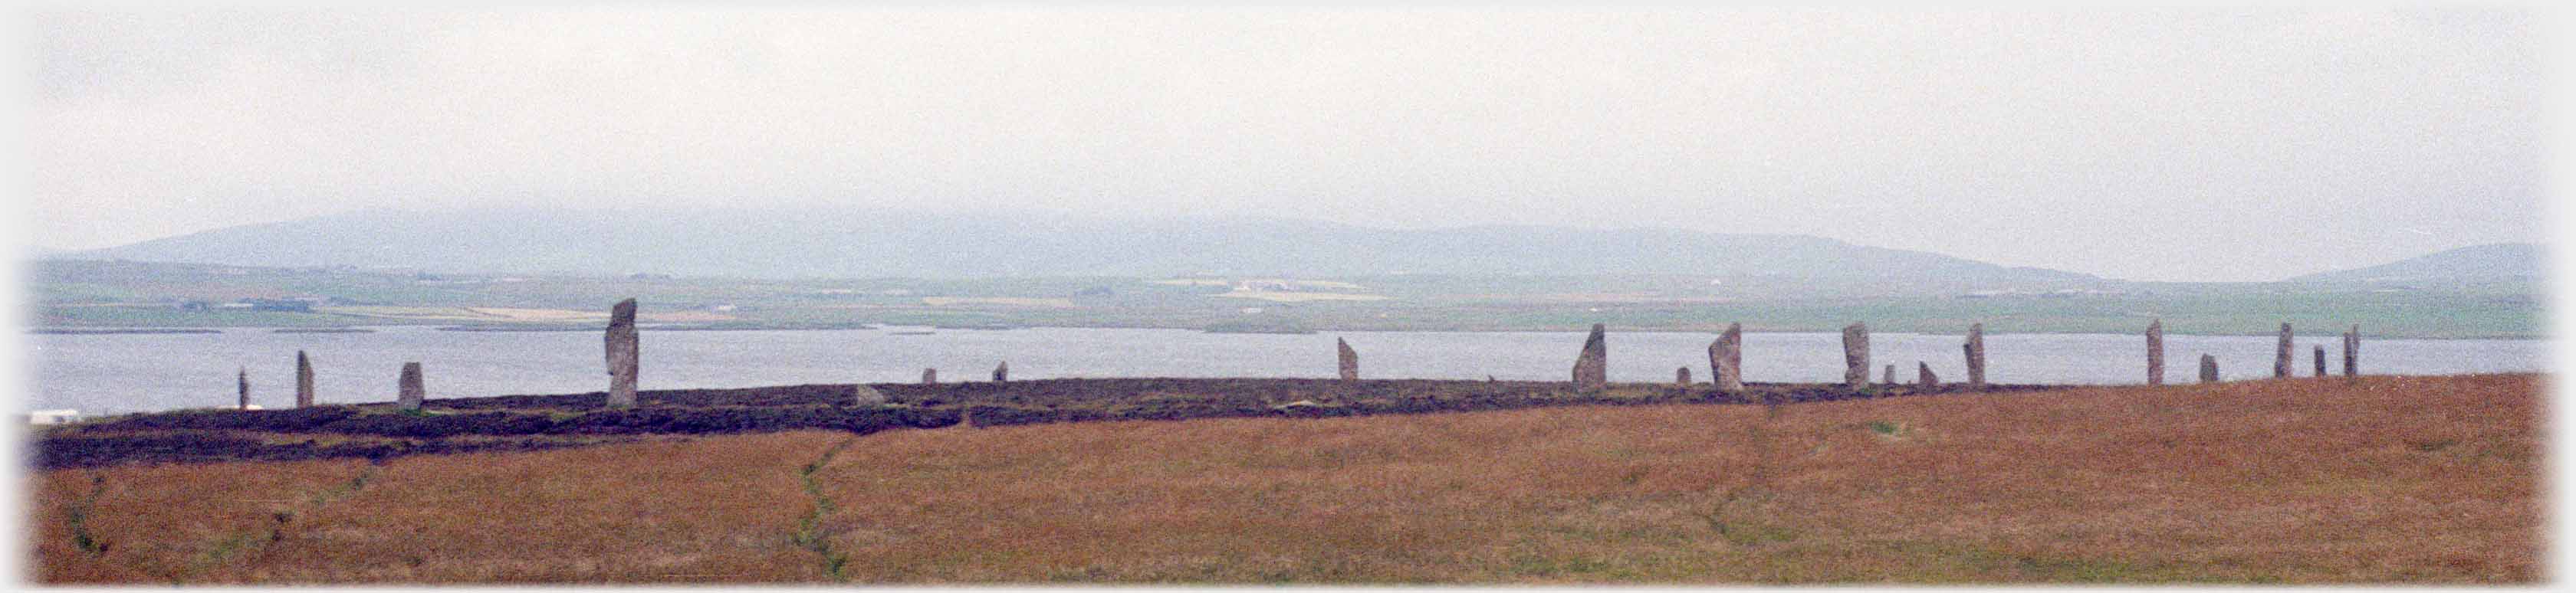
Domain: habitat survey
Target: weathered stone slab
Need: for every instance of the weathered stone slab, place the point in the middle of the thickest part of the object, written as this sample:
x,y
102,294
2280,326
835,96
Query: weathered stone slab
x,y
1975,349
2352,352
2281,360
1889,378
409,392
245,389
622,354
1350,360
1002,373
1592,368
1856,356
1726,359
1923,376
1681,376
929,376
2208,369
863,395
2156,352
303,380
2321,360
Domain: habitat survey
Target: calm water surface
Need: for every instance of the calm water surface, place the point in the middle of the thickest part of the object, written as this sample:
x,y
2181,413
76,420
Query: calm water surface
x,y
139,372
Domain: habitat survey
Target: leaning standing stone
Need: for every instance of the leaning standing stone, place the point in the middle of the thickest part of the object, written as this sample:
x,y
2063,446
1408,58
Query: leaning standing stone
x,y
2156,352
245,389
1976,351
1350,360
2281,360
863,395
929,376
1726,359
1923,376
2208,369
1002,374
410,393
303,380
622,354
1592,368
1856,356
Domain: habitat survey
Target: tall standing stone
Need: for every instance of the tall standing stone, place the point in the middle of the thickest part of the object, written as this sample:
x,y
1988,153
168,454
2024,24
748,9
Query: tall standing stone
x,y
1856,356
1726,359
2156,352
622,354
1923,376
409,392
245,389
1350,360
2208,369
1681,376
2321,360
1975,348
1592,368
2281,359
1888,378
303,380
929,376
1002,373
2352,352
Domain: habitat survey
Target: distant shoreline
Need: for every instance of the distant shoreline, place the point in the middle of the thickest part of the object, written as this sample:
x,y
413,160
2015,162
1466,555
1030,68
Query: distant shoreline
x,y
122,330
2366,336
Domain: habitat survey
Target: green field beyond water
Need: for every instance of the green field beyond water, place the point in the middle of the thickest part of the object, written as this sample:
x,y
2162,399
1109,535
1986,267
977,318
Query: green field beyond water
x,y
132,294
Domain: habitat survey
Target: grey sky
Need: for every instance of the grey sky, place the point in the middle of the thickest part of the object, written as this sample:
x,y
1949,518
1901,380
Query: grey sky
x,y
2140,144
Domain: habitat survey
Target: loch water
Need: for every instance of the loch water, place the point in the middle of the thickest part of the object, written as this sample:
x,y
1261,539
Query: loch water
x,y
117,373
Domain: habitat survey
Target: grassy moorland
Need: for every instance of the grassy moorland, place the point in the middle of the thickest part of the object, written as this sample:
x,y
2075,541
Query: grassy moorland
x,y
2381,479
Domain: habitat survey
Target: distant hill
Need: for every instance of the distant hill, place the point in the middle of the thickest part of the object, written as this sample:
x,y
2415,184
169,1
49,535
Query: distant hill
x,y
864,243
2494,261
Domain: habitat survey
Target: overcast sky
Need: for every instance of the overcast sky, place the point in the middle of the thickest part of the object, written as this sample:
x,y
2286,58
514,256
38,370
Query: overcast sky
x,y
2139,144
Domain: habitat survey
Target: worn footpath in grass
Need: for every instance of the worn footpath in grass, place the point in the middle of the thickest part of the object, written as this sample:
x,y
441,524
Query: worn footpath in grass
x,y
2383,479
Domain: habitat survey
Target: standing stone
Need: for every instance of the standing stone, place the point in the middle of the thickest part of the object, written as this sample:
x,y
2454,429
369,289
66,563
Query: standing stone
x,y
245,389
1350,360
1856,356
863,395
2281,359
1975,348
1592,368
930,376
1681,376
2352,352
1888,378
1002,374
303,380
2156,352
2208,369
410,392
2321,360
1923,376
622,354
1726,359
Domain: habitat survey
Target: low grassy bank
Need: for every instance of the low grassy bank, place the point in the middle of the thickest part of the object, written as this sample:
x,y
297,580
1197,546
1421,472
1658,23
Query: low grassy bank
x,y
2380,479
460,425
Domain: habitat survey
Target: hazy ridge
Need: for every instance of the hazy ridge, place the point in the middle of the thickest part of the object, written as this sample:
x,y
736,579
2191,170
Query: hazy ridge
x,y
2490,262
862,243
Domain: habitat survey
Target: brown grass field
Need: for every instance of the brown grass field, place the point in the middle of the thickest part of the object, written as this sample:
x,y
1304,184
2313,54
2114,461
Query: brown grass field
x,y
2379,480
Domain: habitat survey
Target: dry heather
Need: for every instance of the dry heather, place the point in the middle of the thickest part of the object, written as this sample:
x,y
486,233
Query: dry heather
x,y
2385,479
